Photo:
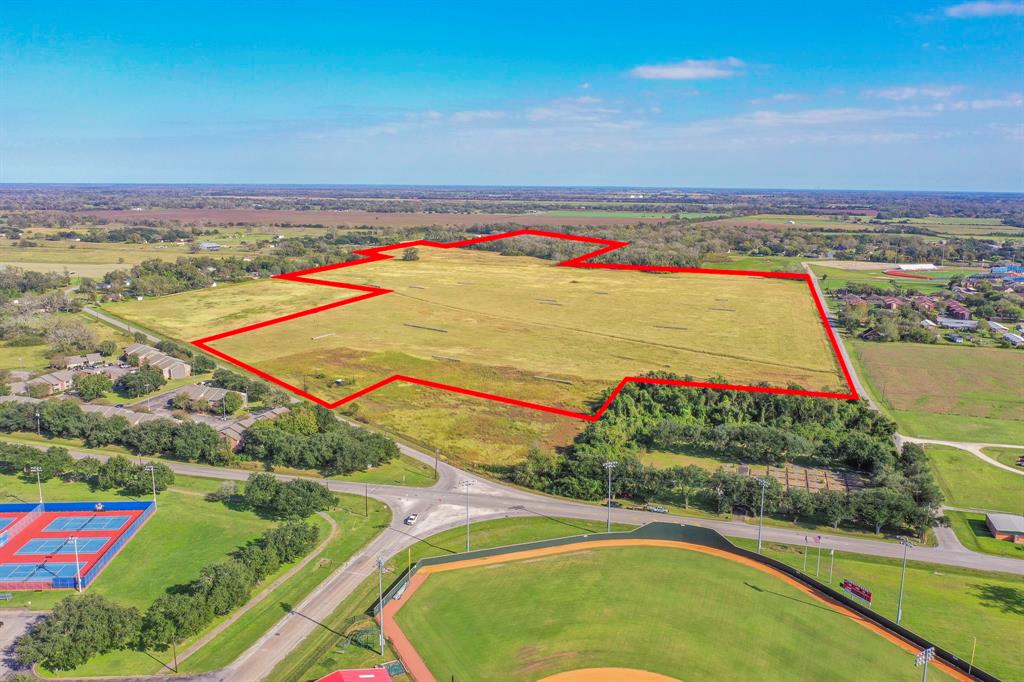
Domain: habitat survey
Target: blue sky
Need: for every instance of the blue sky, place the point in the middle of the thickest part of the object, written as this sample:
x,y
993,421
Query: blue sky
x,y
876,95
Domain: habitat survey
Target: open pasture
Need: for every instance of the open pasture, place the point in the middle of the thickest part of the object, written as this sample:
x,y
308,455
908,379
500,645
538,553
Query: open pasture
x,y
517,323
645,608
965,394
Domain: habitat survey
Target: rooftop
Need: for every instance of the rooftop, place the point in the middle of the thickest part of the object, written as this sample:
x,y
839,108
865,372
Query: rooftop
x,y
1006,523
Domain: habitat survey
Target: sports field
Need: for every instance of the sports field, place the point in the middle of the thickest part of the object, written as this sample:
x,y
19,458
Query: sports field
x,y
963,394
528,619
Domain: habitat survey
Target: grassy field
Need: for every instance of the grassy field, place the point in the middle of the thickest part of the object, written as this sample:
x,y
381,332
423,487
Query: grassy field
x,y
967,481
964,394
1007,456
595,608
93,259
167,550
544,336
37,357
950,606
838,278
319,654
972,531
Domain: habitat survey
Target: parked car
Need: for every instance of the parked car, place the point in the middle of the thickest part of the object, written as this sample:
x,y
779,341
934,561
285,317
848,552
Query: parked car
x,y
656,509
411,519
617,505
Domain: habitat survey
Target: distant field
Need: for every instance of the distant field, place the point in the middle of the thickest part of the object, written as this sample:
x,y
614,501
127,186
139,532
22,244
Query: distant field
x,y
837,278
92,259
967,481
797,221
369,218
514,326
965,394
528,619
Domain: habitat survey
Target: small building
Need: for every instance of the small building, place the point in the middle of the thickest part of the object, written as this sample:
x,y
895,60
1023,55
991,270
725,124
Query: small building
x,y
928,323
209,246
1006,527
363,675
952,323
211,394
69,362
57,382
996,327
93,359
955,338
892,302
170,367
957,311
923,303
1015,340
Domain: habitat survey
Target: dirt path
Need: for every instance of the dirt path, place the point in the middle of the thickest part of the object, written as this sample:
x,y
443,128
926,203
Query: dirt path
x,y
249,605
419,671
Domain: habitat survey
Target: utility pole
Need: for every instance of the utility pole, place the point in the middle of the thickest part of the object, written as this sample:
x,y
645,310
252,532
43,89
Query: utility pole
x,y
435,464
817,567
37,421
763,482
152,473
923,659
39,482
380,599
608,466
805,554
905,541
466,485
78,566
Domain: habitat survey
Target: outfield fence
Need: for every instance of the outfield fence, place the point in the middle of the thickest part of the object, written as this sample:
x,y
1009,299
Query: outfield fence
x,y
708,538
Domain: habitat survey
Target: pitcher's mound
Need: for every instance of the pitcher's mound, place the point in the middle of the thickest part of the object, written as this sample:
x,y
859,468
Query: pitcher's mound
x,y
609,675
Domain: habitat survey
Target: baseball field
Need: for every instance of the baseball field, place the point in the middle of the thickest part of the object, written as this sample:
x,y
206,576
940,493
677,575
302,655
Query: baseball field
x,y
597,608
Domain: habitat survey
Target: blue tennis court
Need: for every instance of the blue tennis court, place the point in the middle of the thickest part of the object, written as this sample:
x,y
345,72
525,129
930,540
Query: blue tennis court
x,y
76,523
5,521
62,546
40,572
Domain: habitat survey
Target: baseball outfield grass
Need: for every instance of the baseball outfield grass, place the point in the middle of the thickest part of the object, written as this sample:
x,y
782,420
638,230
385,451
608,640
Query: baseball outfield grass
x,y
528,619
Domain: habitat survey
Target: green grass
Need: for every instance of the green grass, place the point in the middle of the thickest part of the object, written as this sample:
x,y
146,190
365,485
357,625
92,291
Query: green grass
x,y
838,278
967,481
619,214
401,471
317,654
596,608
973,533
950,606
1007,456
166,551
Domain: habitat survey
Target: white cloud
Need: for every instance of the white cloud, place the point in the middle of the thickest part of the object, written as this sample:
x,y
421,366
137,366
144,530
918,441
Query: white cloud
x,y
1011,100
473,115
972,10
584,86
583,109
779,97
905,92
818,117
690,69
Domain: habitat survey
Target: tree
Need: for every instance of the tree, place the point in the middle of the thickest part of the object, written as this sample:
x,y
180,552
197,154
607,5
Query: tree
x,y
66,336
107,348
261,490
878,507
834,506
232,402
799,503
202,363
195,442
145,380
77,629
410,254
688,480
62,418
92,386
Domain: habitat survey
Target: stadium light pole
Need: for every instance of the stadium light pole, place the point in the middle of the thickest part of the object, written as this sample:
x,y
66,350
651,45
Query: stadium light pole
x,y
37,421
152,473
608,466
763,482
905,541
380,599
922,659
466,485
39,482
78,566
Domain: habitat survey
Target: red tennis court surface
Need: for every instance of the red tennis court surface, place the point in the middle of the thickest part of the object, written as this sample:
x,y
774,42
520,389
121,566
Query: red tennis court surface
x,y
39,544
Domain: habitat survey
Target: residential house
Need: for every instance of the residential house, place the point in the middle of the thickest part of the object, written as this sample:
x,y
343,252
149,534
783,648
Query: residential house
x,y
58,381
1015,340
996,327
93,359
1006,527
923,303
892,302
950,323
69,362
131,416
957,310
211,394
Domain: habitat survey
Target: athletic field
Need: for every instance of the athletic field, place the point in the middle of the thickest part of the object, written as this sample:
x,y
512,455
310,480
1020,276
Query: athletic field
x,y
677,612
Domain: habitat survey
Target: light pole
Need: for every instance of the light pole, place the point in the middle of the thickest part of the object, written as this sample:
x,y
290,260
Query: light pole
x,y
380,599
763,482
923,659
37,421
152,473
39,482
78,566
905,541
608,466
831,563
466,485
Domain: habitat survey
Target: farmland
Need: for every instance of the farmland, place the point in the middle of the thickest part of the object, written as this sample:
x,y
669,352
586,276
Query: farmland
x,y
526,619
513,326
963,394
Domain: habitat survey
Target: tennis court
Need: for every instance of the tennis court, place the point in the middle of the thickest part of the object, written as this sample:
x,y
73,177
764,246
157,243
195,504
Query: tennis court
x,y
6,521
41,572
80,523
62,546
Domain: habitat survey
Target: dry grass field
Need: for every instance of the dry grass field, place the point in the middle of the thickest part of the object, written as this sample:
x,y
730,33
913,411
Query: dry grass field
x,y
514,326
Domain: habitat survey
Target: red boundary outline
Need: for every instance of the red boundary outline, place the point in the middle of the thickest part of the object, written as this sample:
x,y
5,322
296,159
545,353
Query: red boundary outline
x,y
377,253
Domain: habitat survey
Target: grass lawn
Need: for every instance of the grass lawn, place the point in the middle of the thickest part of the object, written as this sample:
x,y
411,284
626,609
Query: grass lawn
x,y
319,654
973,533
524,620
947,605
967,481
401,471
963,394
185,534
838,278
1007,456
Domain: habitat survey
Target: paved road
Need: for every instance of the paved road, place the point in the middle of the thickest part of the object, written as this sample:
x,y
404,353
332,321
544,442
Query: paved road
x,y
118,323
974,449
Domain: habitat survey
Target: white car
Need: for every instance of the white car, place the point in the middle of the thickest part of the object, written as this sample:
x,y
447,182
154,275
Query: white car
x,y
411,519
